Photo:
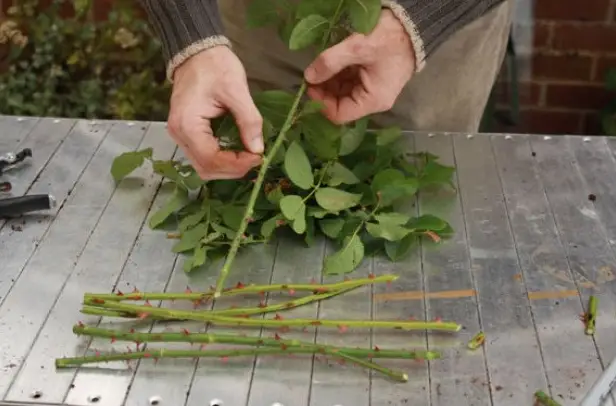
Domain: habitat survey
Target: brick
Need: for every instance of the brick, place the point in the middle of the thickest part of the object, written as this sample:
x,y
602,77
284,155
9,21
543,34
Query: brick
x,y
583,97
584,37
604,64
541,35
541,121
529,93
593,10
563,67
591,124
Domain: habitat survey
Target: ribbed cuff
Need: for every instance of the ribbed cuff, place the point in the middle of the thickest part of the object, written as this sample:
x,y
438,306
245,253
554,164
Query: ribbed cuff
x,y
185,28
411,29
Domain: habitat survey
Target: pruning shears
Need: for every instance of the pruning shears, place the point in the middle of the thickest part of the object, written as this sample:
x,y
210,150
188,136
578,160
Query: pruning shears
x,y
15,206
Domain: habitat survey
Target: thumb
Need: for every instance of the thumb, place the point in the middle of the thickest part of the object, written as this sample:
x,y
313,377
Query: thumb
x,y
247,118
335,59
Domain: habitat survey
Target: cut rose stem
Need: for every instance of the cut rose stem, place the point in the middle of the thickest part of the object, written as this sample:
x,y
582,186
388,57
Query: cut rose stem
x,y
162,353
172,314
208,338
241,290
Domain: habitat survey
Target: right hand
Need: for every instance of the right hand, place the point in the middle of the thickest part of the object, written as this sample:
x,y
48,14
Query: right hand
x,y
205,87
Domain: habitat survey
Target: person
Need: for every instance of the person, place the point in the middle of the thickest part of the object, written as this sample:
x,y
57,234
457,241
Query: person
x,y
429,65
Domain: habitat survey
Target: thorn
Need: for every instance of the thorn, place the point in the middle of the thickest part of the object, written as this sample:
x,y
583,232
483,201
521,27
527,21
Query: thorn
x,y
132,331
98,300
147,303
196,303
81,324
262,304
224,359
120,293
201,347
147,355
97,354
113,340
186,332
371,275
283,346
188,290
343,329
291,292
412,318
137,344
341,361
135,290
280,222
278,317
143,316
276,336
389,284
262,294
438,319
315,323
376,348
240,285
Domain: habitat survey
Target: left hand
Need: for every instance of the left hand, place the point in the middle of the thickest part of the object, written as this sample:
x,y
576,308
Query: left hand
x,y
364,74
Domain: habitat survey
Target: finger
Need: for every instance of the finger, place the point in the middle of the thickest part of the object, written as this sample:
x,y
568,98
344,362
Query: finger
x,y
320,94
248,119
353,107
354,50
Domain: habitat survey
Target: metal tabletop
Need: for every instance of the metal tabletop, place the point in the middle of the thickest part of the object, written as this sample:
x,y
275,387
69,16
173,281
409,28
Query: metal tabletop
x,y
529,249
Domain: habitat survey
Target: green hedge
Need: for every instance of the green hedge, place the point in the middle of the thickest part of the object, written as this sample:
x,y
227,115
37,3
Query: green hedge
x,y
80,66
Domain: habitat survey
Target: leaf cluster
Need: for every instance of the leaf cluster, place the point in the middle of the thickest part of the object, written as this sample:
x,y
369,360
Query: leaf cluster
x,y
63,60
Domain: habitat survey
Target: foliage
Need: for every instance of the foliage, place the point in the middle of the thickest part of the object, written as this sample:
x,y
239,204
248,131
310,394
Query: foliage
x,y
79,65
343,182
608,114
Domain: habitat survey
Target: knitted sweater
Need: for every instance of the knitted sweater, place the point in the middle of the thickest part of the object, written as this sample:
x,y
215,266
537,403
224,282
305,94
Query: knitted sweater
x,y
187,27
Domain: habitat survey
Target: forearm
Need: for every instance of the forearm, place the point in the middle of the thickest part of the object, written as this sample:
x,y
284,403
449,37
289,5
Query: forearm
x,y
185,27
430,22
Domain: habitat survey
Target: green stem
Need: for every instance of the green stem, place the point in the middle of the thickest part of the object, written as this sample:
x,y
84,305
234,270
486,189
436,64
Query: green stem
x,y
277,322
544,400
163,353
240,290
477,341
207,338
591,316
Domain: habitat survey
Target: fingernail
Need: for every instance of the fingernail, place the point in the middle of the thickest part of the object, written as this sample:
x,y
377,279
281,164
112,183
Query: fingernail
x,y
256,144
309,74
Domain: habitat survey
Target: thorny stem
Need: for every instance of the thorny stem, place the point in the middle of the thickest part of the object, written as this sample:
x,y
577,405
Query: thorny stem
x,y
590,317
224,272
240,290
276,322
207,338
542,399
224,354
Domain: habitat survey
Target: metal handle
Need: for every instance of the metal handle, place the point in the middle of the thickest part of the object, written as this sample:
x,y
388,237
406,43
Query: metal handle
x,y
14,206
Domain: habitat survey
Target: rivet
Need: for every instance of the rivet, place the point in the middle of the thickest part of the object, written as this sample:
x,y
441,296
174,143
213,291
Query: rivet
x,y
586,139
547,137
94,398
36,394
469,136
507,137
155,400
56,120
215,402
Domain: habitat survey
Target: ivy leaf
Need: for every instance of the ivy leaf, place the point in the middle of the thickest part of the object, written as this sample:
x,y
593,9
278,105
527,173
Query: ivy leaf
x,y
260,13
292,206
395,219
190,238
274,105
388,135
307,31
389,232
428,222
331,227
353,137
298,167
124,164
339,174
178,200
436,174
325,8
364,14
322,136
397,250
393,185
346,259
335,200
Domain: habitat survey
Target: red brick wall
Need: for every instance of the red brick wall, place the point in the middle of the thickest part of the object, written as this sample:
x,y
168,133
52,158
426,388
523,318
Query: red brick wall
x,y
574,46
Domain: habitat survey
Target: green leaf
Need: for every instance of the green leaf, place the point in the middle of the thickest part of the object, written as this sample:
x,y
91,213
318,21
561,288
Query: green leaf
x,y
436,174
232,216
260,13
275,195
297,166
190,238
322,136
268,226
299,224
393,185
317,212
339,174
229,233
292,206
166,169
335,200
395,219
364,14
346,259
396,250
331,227
353,137
312,106
388,135
389,232
427,222
310,232
192,220
124,164
308,31
274,105
178,200
325,8
199,256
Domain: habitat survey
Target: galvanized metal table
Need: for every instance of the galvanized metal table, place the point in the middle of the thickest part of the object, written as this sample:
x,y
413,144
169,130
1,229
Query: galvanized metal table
x,y
529,249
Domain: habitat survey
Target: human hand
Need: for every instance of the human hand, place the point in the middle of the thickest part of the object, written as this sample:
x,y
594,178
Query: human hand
x,y
205,87
364,74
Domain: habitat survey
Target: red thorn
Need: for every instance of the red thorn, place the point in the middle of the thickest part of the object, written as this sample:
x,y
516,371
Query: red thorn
x,y
315,323
276,336
305,330
343,329
419,360
291,292
283,346
438,319
201,347
224,359
376,348
135,290
113,340
321,290
262,304
147,303
371,275
98,300
277,317
120,293
97,353
81,324
188,290
147,355
132,330
143,316
280,223
262,294
240,285
196,303
341,361
185,331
